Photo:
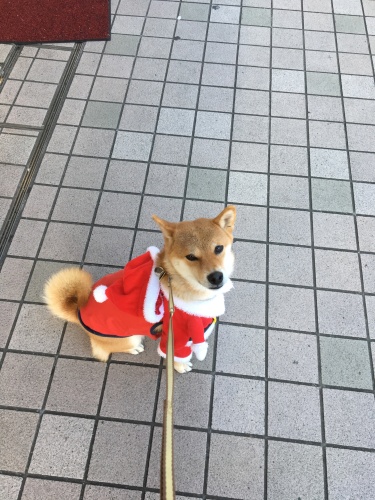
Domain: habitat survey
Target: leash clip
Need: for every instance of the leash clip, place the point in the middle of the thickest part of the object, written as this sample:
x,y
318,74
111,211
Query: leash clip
x,y
160,272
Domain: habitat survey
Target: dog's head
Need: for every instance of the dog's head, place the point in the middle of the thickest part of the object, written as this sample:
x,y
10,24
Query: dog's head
x,y
200,251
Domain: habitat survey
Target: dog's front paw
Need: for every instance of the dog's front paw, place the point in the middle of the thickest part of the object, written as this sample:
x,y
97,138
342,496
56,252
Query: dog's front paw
x,y
183,367
137,350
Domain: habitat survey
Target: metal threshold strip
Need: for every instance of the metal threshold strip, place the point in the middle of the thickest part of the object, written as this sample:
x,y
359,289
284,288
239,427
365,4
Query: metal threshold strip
x,y
31,170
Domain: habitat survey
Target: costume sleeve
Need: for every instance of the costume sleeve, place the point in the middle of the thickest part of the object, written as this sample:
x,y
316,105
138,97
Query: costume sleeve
x,y
199,346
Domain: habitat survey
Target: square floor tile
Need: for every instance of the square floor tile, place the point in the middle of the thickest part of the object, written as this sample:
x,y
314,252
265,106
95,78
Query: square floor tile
x,y
220,75
327,135
71,112
45,489
132,146
109,246
210,153
191,30
243,397
329,163
85,172
180,95
289,226
350,24
43,270
364,195
62,446
165,208
253,102
250,261
10,486
289,192
325,62
46,71
352,43
288,105
252,55
292,356
325,108
144,92
287,19
194,12
17,432
236,468
115,66
51,168
323,84
175,121
240,350
222,33
118,209
149,69
194,209
192,399
237,305
331,196
251,128
130,9
291,160
225,53
11,177
256,16
291,308
154,47
357,64
358,86
368,269
294,470
290,265
216,99
213,125
35,94
125,176
24,379
288,131
206,184
162,9
345,363
249,156
159,177
366,233
139,118
318,21
251,222
284,80
287,58
27,238
36,329
94,142
184,72
300,418
251,77
225,14
349,418
39,202
350,473
75,205
287,38
129,380
62,139
189,467
15,148
103,492
249,188
363,166
339,270
64,242
76,386
188,50
101,114
171,149
255,35
81,86
124,45
334,231
8,312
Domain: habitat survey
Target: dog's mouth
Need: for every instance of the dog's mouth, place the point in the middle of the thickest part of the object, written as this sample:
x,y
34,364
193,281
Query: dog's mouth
x,y
216,287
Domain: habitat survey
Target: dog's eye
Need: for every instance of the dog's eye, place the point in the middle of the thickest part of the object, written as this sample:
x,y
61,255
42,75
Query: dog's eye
x,y
219,249
191,257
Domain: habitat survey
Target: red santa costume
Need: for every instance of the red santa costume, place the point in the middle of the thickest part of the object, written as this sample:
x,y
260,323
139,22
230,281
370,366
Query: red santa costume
x,y
133,302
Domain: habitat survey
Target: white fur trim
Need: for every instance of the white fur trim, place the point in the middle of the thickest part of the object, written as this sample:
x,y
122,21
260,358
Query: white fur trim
x,y
99,294
152,293
176,358
208,308
209,330
200,350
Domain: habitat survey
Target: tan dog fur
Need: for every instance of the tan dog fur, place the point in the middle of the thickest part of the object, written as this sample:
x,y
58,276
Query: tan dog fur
x,y
69,289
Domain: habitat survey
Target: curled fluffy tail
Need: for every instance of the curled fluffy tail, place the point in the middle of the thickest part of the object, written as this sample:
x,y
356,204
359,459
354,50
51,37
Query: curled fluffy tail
x,y
67,291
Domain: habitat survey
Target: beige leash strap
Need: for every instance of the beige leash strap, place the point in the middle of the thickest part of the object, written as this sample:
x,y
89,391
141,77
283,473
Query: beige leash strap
x,y
167,489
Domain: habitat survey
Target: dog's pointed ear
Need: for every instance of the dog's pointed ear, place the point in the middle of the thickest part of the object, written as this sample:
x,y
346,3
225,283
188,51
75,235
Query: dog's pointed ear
x,y
167,228
227,218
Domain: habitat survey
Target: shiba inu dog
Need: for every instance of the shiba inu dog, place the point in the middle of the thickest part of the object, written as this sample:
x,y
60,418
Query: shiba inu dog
x,y
120,309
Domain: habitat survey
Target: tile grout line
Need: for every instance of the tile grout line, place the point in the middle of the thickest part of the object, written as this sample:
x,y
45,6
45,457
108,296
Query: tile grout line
x,y
316,318
359,260
372,57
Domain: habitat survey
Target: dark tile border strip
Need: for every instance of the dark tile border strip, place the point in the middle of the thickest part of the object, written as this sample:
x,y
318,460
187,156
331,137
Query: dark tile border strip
x,y
9,63
12,219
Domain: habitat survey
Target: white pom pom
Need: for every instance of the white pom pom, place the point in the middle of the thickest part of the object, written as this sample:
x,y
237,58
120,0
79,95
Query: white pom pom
x,y
200,350
99,293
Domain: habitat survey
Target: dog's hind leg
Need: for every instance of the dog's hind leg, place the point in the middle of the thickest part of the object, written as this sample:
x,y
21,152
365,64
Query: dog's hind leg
x,y
135,345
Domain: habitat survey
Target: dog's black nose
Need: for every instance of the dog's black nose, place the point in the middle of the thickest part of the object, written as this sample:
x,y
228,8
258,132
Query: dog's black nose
x,y
215,278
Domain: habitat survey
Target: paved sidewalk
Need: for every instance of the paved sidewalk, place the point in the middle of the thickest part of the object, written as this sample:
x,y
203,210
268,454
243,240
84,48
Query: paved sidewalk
x,y
265,104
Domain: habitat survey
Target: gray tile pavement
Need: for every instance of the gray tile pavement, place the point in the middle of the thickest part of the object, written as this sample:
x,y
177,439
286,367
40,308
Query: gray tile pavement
x,y
266,104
